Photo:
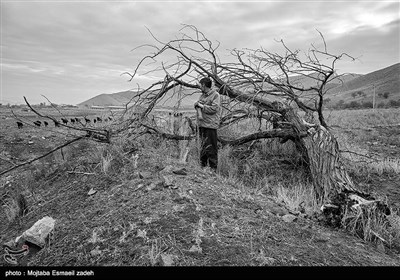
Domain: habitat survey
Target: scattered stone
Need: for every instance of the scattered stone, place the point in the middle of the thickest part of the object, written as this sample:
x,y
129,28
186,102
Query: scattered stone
x,y
167,259
148,220
324,237
39,232
264,260
95,252
92,191
178,208
278,211
180,171
289,218
168,180
145,175
159,184
196,249
167,169
141,233
139,186
380,246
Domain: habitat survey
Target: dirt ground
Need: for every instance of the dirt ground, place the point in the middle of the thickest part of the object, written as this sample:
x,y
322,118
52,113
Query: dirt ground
x,y
196,219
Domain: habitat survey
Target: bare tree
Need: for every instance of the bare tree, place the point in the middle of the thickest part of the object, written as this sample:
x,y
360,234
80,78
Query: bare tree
x,y
261,84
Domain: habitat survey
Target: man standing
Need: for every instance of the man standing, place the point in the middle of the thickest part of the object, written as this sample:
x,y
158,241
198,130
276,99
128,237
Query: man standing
x,y
208,109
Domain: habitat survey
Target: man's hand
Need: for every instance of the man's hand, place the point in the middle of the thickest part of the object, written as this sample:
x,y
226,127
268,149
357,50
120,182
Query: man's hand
x,y
198,104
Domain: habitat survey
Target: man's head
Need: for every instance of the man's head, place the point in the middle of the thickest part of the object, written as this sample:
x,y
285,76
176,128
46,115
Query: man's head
x,y
205,83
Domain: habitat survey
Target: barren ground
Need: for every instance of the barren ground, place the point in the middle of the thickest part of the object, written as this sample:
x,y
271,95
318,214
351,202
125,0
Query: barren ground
x,y
202,219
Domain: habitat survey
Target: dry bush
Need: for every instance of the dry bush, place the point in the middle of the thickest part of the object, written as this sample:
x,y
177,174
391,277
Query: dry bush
x,y
387,165
298,197
368,223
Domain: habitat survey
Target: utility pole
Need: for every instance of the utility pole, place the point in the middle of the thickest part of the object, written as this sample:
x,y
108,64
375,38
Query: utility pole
x,y
373,100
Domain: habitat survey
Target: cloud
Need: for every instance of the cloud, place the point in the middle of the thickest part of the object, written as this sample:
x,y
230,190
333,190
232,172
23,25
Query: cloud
x,y
87,45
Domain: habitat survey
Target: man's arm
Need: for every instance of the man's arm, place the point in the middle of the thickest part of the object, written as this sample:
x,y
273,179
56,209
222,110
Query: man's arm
x,y
213,108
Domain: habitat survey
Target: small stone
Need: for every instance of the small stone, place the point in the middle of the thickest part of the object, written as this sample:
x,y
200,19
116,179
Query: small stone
x,y
168,180
39,232
178,208
278,211
181,171
196,249
289,218
92,191
167,169
167,259
381,247
95,252
145,175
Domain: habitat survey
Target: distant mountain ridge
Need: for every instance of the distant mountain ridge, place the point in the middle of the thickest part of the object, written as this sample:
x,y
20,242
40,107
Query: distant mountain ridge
x,y
386,80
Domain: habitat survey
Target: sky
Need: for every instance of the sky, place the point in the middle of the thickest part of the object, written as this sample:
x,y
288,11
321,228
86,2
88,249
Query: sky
x,y
70,51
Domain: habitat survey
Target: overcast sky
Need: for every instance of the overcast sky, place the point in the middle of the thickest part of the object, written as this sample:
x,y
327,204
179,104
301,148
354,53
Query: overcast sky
x,y
70,51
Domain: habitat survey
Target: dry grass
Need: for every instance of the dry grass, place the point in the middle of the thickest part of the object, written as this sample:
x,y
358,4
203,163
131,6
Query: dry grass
x,y
387,165
298,197
362,118
207,219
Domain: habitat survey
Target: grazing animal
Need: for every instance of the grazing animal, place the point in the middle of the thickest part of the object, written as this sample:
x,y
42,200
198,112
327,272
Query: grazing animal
x,y
99,119
72,120
87,120
37,123
56,123
77,119
94,120
46,123
65,121
110,118
20,124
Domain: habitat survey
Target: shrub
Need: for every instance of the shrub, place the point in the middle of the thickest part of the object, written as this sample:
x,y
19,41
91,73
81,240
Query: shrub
x,y
352,105
380,105
340,104
367,105
360,93
394,103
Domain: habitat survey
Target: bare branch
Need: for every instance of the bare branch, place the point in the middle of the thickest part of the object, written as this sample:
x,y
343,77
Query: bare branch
x,y
42,156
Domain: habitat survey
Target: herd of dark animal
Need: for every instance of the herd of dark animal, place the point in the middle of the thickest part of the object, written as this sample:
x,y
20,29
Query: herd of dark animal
x,y
65,121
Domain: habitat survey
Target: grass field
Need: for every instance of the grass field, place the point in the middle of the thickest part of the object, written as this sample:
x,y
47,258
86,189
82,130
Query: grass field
x,y
234,217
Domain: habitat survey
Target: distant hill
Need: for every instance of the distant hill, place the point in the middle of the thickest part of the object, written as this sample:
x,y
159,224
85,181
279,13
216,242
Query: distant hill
x,y
386,80
309,81
187,96
349,87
